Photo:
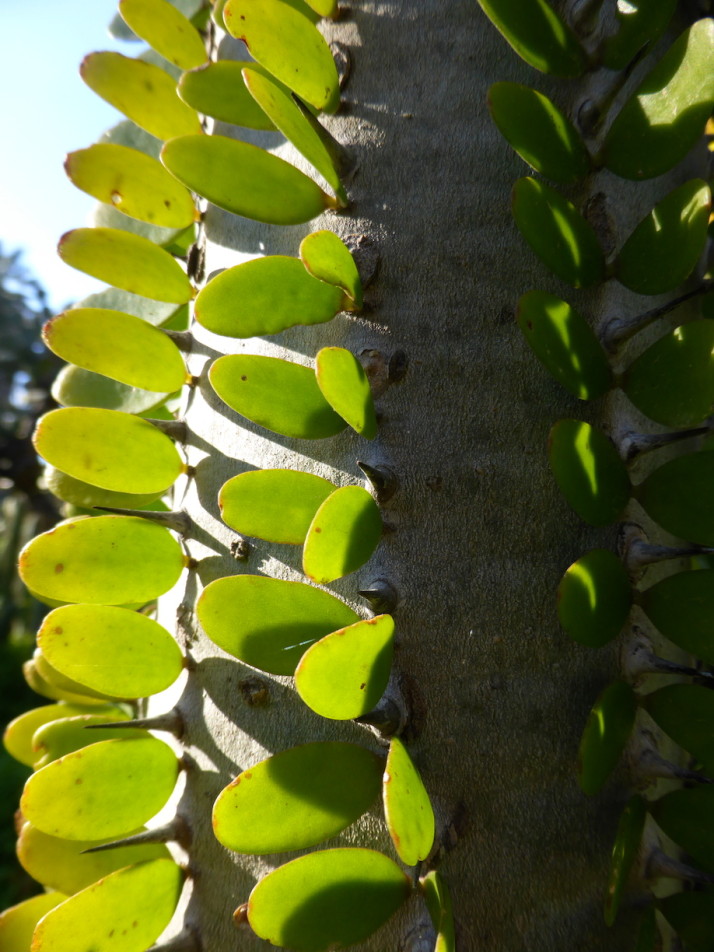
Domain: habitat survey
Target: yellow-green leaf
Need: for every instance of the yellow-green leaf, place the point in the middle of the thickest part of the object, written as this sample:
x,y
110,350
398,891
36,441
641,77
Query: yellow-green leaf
x,y
407,809
343,535
165,29
344,384
17,923
218,90
328,258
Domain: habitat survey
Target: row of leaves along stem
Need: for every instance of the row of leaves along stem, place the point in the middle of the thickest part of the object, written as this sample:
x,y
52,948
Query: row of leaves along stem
x,y
671,382
116,445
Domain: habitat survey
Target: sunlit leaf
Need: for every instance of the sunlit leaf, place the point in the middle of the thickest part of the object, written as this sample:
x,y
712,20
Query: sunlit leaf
x,y
218,90
20,731
297,798
64,684
438,902
274,393
289,46
110,649
678,496
681,606
124,912
142,91
273,504
132,182
345,673
165,29
85,496
594,598
266,622
59,864
624,853
686,713
691,915
245,180
565,344
666,245
343,535
538,34
327,900
686,817
639,22
107,448
326,8
558,233
158,313
589,472
328,258
77,387
606,732
344,384
108,560
540,133
18,922
407,809
126,261
67,734
31,674
265,296
104,790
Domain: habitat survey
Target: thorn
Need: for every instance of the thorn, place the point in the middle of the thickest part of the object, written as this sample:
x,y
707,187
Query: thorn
x,y
176,429
178,520
618,329
382,478
386,717
637,553
632,444
652,766
185,941
382,596
177,831
639,659
660,865
366,257
182,339
171,722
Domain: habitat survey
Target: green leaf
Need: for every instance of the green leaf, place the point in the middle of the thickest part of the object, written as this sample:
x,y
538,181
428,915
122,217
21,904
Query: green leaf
x,y
438,901
81,494
594,598
565,344
681,606
20,731
345,673
134,183
67,734
686,817
327,899
639,22
540,133
165,29
624,853
77,387
124,912
344,384
265,296
157,313
218,90
289,46
691,915
343,535
328,258
71,688
127,261
672,382
588,471
109,449
36,680
277,394
273,504
538,34
110,649
407,809
558,233
606,732
678,496
17,923
279,106
106,560
143,92
59,864
106,216
648,939
686,713
297,798
266,622
245,180
326,8
658,126
664,248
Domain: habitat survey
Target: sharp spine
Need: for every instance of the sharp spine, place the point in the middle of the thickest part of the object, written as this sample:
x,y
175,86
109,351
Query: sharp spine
x,y
177,520
171,722
177,831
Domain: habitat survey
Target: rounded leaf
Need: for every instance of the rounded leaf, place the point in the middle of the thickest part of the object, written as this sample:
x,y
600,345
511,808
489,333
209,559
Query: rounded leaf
x,y
218,90
438,901
105,790
17,923
38,683
158,313
594,598
266,622
343,535
166,30
407,809
277,394
686,713
265,296
588,471
77,387
681,606
327,899
106,560
328,258
273,504
67,734
691,915
558,233
538,34
638,25
624,853
686,817
18,735
126,261
606,732
345,386
678,496
345,673
565,344
110,649
109,449
85,496
297,798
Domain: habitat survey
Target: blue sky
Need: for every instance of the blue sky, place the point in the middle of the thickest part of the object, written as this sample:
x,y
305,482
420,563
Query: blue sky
x,y
47,111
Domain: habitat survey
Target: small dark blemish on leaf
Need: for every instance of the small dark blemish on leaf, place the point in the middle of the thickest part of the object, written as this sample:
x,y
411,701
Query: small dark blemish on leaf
x,y
363,686
317,529
59,568
57,630
244,377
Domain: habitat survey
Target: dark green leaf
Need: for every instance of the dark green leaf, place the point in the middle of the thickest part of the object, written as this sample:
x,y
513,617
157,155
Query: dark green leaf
x,y
537,33
639,22
681,606
594,598
679,497
686,817
691,915
606,732
686,713
624,853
